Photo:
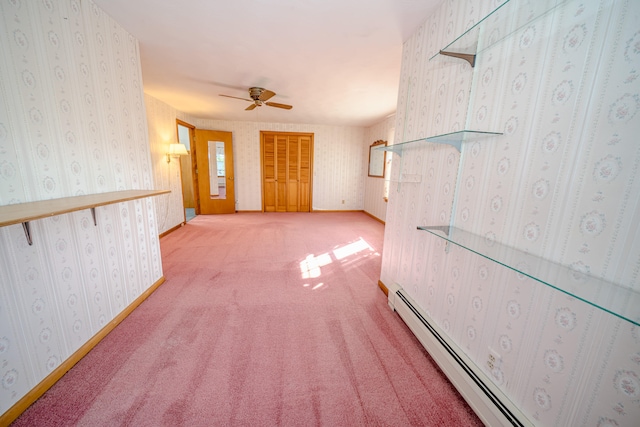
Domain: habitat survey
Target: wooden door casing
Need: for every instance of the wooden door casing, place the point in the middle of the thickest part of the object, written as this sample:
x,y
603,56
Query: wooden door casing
x,y
287,169
187,168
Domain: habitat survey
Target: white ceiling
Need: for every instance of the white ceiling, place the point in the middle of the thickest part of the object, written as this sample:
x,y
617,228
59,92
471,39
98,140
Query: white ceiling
x,y
336,61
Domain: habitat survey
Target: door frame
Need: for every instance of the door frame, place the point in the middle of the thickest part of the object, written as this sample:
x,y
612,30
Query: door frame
x,y
194,175
311,153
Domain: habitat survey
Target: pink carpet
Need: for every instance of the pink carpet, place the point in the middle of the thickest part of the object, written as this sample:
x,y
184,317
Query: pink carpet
x,y
264,320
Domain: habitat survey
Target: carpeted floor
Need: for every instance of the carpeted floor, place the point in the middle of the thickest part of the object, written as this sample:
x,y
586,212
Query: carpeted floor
x,y
264,320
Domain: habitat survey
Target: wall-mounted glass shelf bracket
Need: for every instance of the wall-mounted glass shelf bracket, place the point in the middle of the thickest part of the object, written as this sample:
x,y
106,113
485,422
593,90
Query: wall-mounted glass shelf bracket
x,y
469,57
454,139
442,228
23,213
395,148
503,21
618,300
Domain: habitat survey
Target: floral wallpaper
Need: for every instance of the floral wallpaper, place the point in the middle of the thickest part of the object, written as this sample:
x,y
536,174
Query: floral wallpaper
x,y
72,122
377,188
338,162
561,183
161,119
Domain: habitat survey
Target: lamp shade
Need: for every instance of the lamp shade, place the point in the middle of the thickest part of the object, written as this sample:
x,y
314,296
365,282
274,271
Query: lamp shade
x,y
177,150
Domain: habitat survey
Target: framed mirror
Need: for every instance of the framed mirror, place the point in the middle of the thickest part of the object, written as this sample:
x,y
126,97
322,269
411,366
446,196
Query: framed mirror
x,y
377,159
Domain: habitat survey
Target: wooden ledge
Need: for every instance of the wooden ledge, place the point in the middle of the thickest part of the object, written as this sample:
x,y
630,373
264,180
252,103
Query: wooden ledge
x,y
25,212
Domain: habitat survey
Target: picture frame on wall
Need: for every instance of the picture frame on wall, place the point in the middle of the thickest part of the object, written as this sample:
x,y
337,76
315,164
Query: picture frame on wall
x,y
377,159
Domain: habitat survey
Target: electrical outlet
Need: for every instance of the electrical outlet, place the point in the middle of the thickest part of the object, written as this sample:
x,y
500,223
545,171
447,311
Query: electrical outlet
x,y
343,202
494,359
490,365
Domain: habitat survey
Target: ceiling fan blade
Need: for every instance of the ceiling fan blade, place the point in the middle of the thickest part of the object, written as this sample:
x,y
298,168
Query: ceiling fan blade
x,y
266,94
235,97
277,105
250,107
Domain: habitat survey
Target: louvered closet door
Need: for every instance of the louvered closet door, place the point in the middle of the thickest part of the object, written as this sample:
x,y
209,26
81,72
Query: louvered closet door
x,y
269,172
293,170
281,173
287,165
304,187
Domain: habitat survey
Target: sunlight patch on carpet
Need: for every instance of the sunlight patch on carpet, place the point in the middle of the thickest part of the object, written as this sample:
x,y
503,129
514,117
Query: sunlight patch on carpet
x,y
351,249
310,266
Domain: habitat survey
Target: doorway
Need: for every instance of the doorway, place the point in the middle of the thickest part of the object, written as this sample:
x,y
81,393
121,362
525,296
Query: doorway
x,y
214,170
185,133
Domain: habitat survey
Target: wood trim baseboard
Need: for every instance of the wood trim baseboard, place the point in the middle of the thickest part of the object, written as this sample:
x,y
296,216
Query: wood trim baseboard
x,y
383,287
335,210
34,394
374,217
172,229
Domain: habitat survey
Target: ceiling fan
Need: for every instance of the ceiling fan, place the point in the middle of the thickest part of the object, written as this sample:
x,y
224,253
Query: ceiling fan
x,y
259,96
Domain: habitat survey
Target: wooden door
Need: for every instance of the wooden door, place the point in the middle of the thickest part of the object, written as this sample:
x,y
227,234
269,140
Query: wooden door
x,y
281,174
214,167
293,174
304,186
286,171
269,172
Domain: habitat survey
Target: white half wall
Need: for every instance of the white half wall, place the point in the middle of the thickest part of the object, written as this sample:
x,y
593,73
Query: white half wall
x,y
72,122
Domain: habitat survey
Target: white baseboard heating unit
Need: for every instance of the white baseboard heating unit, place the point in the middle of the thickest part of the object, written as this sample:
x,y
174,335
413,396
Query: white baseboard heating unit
x,y
488,402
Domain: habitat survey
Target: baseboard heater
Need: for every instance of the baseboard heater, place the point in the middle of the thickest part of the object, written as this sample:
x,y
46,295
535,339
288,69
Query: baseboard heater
x,y
488,402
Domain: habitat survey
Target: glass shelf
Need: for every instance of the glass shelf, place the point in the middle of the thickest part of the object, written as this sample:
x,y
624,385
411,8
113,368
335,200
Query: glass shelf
x,y
610,297
454,139
506,19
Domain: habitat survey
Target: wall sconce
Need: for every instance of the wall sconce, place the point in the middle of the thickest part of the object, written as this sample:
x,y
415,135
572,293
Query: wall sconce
x,y
176,150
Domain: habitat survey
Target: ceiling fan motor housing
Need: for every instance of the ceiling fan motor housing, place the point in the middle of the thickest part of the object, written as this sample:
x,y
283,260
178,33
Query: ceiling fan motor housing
x,y
255,93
